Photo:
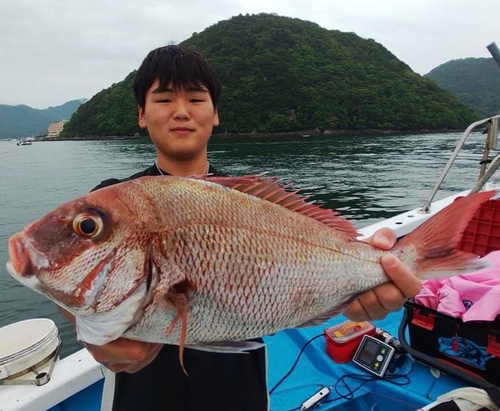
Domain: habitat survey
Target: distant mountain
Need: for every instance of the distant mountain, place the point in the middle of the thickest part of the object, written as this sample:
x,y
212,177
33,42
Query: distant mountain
x,y
473,81
22,121
284,74
64,111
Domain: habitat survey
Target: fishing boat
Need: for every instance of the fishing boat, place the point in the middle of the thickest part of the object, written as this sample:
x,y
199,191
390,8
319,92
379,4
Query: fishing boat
x,y
300,366
24,142
303,371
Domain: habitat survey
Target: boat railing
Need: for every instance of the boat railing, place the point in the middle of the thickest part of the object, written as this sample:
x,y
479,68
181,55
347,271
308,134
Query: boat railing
x,y
492,124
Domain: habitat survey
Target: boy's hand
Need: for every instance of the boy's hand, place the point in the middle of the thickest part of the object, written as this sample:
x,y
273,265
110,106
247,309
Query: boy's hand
x,y
122,354
377,303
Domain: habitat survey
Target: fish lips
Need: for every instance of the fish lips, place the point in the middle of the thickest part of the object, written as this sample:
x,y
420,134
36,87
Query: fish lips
x,y
25,260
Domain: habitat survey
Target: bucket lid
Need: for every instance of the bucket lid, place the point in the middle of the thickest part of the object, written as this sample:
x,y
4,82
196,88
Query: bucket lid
x,y
24,337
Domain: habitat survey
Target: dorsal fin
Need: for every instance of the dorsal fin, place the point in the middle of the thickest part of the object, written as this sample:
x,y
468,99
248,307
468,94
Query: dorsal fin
x,y
272,190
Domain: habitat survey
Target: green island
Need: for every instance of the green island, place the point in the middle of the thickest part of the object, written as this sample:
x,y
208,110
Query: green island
x,y
473,81
286,75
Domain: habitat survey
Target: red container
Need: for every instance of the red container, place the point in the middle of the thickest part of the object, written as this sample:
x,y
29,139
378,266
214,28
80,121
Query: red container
x,y
482,235
343,339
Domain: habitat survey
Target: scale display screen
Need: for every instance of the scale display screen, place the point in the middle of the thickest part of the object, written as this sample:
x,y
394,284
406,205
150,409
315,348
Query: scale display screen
x,y
373,355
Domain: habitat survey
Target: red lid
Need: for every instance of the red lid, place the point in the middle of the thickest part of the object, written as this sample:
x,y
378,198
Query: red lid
x,y
348,330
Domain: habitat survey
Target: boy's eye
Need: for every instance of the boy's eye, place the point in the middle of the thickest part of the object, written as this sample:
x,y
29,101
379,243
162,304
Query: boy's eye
x,y
165,100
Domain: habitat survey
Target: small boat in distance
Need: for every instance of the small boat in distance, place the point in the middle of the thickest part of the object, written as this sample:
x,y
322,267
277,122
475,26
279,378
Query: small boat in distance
x,y
24,142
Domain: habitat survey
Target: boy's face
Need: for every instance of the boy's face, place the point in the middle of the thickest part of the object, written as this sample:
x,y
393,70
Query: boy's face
x,y
179,122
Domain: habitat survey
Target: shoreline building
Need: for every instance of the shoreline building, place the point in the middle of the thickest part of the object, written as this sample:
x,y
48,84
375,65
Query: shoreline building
x,y
55,128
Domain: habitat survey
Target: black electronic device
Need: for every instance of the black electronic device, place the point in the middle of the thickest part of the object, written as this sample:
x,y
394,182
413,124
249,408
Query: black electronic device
x,y
374,355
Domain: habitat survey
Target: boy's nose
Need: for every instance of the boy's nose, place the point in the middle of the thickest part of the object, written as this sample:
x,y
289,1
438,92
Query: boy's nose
x,y
181,111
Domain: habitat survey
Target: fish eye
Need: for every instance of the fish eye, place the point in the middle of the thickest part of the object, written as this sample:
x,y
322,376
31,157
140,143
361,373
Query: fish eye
x,y
86,225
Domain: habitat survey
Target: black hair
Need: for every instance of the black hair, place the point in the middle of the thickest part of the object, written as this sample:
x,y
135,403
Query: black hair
x,y
176,66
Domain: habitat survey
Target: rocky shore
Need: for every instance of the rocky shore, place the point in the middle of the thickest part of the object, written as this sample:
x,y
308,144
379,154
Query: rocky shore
x,y
303,133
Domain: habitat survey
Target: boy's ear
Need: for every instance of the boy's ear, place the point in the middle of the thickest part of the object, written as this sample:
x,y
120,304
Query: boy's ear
x,y
216,118
142,119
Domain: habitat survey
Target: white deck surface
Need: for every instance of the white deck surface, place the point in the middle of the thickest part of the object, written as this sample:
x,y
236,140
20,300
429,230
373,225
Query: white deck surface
x,y
70,375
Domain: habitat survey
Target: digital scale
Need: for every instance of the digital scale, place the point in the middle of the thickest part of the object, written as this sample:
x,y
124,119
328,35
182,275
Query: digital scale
x,y
374,355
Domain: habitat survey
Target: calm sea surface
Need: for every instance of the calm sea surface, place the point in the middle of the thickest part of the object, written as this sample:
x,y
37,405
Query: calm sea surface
x,y
365,178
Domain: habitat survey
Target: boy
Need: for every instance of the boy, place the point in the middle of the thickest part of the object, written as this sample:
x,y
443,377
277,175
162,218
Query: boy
x,y
177,94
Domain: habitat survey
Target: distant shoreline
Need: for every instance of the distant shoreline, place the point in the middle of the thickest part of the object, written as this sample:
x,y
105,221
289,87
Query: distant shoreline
x,y
283,134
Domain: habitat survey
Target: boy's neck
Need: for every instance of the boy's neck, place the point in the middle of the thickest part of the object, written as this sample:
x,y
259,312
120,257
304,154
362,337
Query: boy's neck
x,y
183,168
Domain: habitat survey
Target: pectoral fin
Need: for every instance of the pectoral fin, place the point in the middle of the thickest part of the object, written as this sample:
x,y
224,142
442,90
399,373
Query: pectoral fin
x,y
177,296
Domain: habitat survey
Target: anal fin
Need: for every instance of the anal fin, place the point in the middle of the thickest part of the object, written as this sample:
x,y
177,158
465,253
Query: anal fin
x,y
229,347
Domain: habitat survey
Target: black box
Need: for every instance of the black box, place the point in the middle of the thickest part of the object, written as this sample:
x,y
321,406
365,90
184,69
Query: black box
x,y
463,348
469,350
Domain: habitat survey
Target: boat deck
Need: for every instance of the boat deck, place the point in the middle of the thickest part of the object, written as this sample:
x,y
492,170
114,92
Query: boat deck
x,y
316,369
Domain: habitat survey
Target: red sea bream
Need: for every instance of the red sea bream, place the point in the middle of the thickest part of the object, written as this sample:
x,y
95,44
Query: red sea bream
x,y
214,260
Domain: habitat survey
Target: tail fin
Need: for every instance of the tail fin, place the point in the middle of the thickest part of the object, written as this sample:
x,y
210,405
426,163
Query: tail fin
x,y
437,240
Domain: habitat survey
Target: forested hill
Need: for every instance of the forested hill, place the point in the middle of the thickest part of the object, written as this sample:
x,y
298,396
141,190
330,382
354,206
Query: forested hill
x,y
285,74
474,81
23,121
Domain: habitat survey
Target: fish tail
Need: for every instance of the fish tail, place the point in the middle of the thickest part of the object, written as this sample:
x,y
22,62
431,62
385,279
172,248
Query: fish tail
x,y
437,241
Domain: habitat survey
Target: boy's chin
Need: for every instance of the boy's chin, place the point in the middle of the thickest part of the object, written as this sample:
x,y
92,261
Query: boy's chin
x,y
187,155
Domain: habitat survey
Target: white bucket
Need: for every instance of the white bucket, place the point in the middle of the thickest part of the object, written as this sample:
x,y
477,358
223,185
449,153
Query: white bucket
x,y
26,343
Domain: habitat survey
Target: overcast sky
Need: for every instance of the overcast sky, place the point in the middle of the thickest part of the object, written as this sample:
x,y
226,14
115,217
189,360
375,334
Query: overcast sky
x,y
53,51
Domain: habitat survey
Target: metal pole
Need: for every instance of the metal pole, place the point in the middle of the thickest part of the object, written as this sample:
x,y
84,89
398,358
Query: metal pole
x,y
495,164
494,51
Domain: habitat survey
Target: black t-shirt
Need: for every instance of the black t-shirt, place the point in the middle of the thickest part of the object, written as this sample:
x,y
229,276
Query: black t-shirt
x,y
216,382
150,171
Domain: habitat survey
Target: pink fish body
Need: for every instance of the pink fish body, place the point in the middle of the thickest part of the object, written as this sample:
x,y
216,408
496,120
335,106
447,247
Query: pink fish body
x,y
200,261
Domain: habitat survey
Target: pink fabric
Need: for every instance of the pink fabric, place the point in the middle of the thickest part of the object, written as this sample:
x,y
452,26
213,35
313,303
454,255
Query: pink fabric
x,y
450,301
472,297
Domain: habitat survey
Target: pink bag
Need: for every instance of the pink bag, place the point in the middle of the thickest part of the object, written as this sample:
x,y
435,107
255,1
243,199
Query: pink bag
x,y
472,297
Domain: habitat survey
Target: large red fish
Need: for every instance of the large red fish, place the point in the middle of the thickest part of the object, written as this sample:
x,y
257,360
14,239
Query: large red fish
x,y
216,260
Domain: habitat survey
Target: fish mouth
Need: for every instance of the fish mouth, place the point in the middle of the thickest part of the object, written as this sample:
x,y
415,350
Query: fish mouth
x,y
25,260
